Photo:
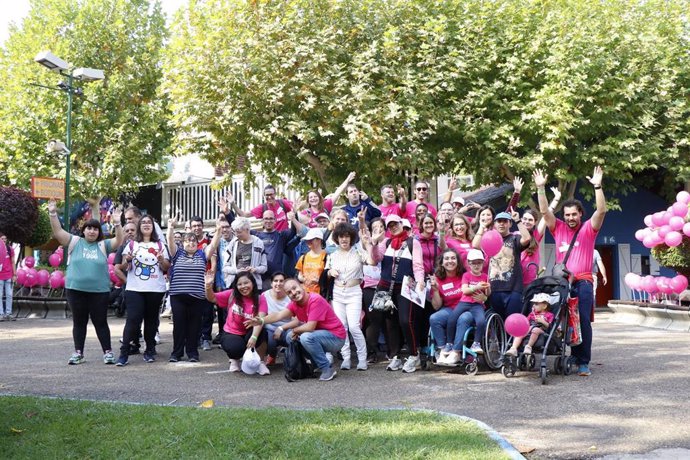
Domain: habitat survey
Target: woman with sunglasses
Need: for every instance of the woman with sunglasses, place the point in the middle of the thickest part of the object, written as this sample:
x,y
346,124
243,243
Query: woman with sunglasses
x,y
87,282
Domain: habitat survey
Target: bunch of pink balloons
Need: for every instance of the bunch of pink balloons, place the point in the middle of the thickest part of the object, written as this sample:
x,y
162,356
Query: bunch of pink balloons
x,y
57,280
656,284
667,227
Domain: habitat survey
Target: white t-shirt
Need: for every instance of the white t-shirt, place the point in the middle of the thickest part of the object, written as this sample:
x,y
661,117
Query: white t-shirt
x,y
275,306
144,274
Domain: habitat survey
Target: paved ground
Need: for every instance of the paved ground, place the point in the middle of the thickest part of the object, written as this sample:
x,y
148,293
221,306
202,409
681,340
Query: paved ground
x,y
635,402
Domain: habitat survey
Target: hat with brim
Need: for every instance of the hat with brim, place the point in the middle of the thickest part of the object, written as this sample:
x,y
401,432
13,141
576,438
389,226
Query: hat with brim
x,y
323,215
475,254
541,297
458,199
393,218
313,234
503,216
406,223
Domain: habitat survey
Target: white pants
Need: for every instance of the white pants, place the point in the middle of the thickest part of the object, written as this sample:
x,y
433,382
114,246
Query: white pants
x,y
347,304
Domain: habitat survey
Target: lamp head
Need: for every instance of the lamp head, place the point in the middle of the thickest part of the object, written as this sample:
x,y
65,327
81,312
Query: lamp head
x,y
51,62
86,74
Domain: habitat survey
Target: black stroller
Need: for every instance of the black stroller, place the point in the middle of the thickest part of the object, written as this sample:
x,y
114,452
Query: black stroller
x,y
552,342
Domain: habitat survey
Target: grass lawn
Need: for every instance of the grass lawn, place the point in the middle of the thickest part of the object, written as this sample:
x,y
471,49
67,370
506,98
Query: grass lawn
x,y
54,428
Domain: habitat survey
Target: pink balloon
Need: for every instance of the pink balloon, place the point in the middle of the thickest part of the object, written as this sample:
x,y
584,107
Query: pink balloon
x,y
637,282
663,231
649,242
54,260
31,278
676,223
662,284
42,277
630,280
679,283
667,216
21,276
29,262
641,233
648,220
658,219
683,197
491,243
673,239
517,325
649,284
59,274
111,258
679,209
686,229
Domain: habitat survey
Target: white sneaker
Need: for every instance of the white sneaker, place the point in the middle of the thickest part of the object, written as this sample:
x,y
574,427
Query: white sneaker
x,y
477,348
345,366
453,358
412,363
395,364
167,313
235,365
263,370
158,338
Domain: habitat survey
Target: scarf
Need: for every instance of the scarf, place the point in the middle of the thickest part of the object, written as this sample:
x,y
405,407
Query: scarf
x,y
397,240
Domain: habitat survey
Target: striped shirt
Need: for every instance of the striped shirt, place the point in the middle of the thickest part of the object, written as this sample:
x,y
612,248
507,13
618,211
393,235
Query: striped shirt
x,y
188,274
348,264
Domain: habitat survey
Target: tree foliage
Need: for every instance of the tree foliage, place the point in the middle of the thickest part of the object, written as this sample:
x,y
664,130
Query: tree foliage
x,y
18,214
496,89
42,230
120,128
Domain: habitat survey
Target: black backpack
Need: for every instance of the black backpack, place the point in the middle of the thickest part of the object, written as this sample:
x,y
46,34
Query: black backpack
x,y
296,365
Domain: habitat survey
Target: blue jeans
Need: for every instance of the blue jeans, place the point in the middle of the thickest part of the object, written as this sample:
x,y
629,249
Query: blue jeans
x,y
439,323
477,311
6,289
273,344
505,303
463,323
317,343
584,291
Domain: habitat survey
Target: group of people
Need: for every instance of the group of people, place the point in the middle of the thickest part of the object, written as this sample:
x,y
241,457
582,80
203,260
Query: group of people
x,y
313,272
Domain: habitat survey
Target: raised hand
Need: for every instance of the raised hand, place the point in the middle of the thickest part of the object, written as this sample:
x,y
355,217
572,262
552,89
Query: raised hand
x,y
596,177
540,178
172,222
556,193
363,196
351,176
52,207
223,205
517,184
209,277
116,215
401,190
453,184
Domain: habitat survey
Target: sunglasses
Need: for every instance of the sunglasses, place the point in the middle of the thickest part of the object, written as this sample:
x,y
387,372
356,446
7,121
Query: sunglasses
x,y
422,189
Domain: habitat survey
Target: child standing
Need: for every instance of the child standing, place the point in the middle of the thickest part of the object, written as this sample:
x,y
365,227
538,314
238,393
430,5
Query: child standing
x,y
310,267
539,320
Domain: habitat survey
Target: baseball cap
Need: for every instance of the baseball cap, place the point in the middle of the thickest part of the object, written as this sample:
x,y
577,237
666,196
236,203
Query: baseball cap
x,y
503,215
323,215
406,223
474,254
313,233
393,218
541,297
459,199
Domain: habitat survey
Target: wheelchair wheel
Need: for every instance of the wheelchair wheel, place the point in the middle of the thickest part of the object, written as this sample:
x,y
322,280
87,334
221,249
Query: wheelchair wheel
x,y
471,368
507,371
494,340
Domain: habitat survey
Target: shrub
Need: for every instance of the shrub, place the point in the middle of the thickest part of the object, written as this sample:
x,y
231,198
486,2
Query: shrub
x,y
42,231
18,214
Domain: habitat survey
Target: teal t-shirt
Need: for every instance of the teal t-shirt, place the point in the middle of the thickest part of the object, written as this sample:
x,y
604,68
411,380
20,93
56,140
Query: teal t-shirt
x,y
88,267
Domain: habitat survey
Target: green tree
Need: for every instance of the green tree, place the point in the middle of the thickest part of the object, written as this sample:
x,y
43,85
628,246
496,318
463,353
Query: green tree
x,y
120,128
316,89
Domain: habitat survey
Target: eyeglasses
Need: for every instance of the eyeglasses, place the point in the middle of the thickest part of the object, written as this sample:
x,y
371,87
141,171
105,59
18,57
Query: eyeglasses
x,y
422,189
269,194
269,218
476,262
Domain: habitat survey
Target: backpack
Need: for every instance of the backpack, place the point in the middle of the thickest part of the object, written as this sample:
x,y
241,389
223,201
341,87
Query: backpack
x,y
296,365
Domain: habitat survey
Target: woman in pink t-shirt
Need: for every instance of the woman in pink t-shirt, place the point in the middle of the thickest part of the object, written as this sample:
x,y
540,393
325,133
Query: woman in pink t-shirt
x,y
458,235
7,277
530,258
243,303
446,291
316,205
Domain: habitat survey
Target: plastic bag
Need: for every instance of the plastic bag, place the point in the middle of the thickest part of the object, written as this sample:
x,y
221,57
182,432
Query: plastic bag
x,y
250,361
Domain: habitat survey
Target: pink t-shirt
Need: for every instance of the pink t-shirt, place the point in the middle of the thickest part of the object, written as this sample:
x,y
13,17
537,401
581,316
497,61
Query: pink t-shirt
x,y
410,209
582,255
281,215
238,314
529,272
548,316
462,248
392,209
472,280
450,290
6,269
327,206
320,311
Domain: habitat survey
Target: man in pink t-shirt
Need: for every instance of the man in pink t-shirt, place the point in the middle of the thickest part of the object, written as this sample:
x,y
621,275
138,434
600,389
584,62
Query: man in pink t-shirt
x,y
321,333
580,260
421,194
279,206
388,205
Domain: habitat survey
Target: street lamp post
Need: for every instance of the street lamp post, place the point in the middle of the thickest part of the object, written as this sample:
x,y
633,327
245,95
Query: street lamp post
x,y
55,64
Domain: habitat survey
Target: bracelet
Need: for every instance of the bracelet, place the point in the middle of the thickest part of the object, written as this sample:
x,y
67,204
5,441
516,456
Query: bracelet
x,y
255,338
262,320
597,187
541,191
52,214
280,328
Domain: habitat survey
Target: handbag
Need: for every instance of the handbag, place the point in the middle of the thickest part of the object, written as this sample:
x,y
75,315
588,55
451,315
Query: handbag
x,y
574,336
383,300
560,270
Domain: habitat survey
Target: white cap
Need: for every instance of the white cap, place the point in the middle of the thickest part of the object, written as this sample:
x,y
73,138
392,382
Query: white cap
x,y
475,254
323,215
406,223
313,233
541,297
459,199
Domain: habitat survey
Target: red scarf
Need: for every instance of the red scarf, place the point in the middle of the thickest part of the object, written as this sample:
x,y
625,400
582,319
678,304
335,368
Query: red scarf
x,y
397,240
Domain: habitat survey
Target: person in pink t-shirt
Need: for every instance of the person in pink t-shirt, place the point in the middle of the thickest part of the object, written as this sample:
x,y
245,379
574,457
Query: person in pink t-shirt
x,y
279,206
458,235
316,204
8,275
421,195
388,205
530,258
540,318
580,259
243,303
321,333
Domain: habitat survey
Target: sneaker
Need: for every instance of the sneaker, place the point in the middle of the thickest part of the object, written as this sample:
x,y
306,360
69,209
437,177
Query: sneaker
x,y
3,318
345,366
270,360
412,363
583,370
235,365
122,361
149,357
193,359
328,374
167,313
527,350
11,318
216,339
395,364
453,358
158,338
362,366
76,358
477,348
109,358
263,370
206,345
173,359
372,358
134,349
511,352
445,351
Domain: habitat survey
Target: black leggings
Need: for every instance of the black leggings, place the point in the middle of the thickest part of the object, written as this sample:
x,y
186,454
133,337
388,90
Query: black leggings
x,y
235,345
84,305
186,324
141,306
376,321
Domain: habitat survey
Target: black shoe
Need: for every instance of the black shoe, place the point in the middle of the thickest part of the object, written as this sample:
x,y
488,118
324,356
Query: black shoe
x,y
372,358
149,357
173,359
194,359
134,349
216,339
